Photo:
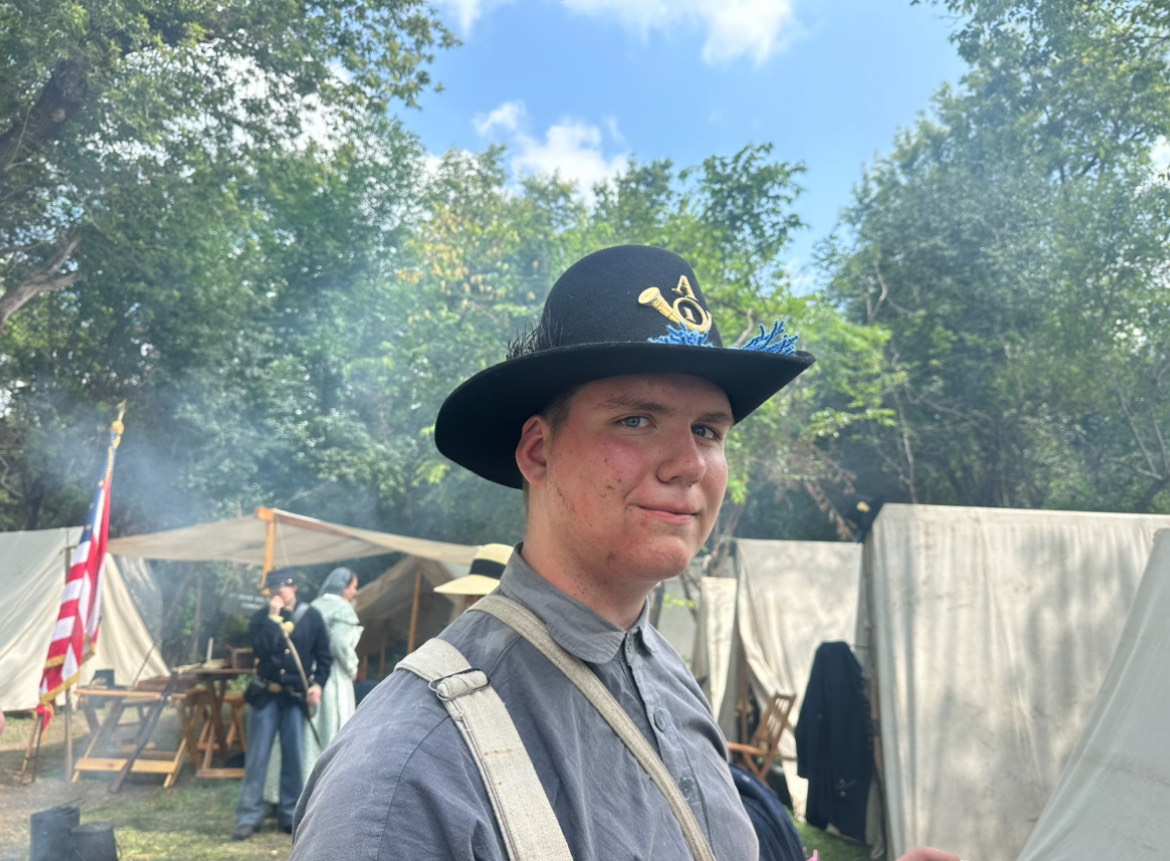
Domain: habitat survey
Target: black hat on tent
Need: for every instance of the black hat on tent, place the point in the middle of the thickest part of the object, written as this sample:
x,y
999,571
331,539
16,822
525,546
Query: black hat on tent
x,y
632,309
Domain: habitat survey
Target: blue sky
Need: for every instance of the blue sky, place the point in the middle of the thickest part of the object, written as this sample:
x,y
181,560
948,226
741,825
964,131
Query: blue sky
x,y
578,86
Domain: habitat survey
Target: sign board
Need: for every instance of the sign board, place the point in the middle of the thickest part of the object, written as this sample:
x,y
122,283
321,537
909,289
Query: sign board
x,y
243,603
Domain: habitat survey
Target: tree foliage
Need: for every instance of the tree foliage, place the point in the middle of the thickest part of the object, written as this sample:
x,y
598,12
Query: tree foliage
x,y
186,189
1015,245
101,97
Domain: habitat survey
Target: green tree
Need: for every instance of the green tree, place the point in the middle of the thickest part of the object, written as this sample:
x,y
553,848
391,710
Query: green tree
x,y
189,193
487,255
1015,247
99,97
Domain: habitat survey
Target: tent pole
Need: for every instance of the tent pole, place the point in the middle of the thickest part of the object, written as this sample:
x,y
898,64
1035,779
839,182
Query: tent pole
x,y
68,733
414,611
193,647
163,627
268,515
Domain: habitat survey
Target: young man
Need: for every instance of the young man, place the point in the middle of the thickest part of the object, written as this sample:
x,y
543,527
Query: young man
x,y
290,645
612,415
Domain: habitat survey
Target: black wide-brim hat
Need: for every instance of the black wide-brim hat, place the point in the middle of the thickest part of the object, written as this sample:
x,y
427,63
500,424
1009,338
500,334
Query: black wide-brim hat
x,y
633,309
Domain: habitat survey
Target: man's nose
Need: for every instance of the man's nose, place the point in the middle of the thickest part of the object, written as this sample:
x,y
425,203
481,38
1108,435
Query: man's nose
x,y
681,459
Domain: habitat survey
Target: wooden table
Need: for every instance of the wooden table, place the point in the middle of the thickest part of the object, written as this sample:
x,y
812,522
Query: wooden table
x,y
105,753
209,738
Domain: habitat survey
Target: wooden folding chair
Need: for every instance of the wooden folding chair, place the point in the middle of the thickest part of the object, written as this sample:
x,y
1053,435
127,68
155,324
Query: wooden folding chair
x,y
764,746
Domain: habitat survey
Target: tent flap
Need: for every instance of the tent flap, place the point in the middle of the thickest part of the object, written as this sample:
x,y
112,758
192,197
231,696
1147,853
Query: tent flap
x,y
300,540
1113,795
32,580
991,632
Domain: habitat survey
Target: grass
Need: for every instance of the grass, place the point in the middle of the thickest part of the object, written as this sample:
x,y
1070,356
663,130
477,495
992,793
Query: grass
x,y
191,821
831,847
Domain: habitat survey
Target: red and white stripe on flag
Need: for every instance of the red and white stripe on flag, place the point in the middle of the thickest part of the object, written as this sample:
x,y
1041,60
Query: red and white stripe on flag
x,y
79,618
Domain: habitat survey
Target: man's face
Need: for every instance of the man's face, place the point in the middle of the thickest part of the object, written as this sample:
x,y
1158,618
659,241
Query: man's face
x,y
288,594
635,475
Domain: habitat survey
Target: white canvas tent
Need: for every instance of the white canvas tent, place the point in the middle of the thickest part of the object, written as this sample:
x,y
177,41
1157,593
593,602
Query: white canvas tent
x,y
400,602
784,599
1112,798
987,634
990,632
32,579
761,625
282,539
275,538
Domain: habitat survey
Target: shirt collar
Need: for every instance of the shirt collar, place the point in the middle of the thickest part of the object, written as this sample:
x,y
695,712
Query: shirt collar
x,y
575,627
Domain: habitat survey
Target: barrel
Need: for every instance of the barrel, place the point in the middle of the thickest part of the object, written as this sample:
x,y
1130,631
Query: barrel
x,y
52,837
94,841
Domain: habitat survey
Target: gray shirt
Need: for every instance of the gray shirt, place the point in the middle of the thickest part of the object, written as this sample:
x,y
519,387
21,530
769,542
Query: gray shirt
x,y
398,782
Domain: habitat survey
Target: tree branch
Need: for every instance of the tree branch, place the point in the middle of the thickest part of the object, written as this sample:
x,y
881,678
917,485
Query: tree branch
x,y
60,98
45,278
1133,428
1155,382
871,311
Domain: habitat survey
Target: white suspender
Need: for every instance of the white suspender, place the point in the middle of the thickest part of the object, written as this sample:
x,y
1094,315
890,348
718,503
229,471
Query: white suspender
x,y
521,807
529,626
530,828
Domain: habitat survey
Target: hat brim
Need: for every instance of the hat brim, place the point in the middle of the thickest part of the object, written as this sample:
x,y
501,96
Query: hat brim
x,y
468,584
479,424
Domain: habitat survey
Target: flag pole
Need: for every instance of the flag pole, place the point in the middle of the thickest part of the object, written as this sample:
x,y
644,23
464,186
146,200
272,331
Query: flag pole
x,y
68,733
76,632
68,700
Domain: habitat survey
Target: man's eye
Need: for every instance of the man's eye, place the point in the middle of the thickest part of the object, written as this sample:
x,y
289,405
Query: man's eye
x,y
705,432
634,421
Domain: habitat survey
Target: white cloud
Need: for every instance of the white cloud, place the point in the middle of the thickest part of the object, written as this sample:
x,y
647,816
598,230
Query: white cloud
x,y
751,28
640,16
507,117
467,12
572,149
754,29
611,126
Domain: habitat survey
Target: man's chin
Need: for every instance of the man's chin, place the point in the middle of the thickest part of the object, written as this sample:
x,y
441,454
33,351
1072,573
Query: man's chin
x,y
665,558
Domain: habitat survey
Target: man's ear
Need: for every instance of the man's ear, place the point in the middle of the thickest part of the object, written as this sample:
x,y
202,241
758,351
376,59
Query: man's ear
x,y
531,451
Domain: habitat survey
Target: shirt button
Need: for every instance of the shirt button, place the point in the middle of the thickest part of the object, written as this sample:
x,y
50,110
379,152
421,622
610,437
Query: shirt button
x,y
661,719
286,651
686,787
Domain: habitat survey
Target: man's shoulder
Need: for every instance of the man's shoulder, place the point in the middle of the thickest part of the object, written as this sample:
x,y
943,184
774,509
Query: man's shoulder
x,y
312,620
262,613
399,774
402,710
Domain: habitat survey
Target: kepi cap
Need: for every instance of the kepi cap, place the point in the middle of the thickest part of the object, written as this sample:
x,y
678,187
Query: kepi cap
x,y
280,577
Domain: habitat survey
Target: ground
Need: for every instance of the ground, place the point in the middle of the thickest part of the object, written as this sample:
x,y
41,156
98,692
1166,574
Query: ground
x,y
191,821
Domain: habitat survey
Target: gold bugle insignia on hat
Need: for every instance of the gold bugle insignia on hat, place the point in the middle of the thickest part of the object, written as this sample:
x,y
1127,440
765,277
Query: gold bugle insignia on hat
x,y
686,309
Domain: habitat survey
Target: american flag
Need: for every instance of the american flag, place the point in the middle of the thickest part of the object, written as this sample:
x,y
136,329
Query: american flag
x,y
79,619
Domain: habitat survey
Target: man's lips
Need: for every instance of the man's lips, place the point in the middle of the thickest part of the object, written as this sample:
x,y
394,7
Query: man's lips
x,y
671,513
